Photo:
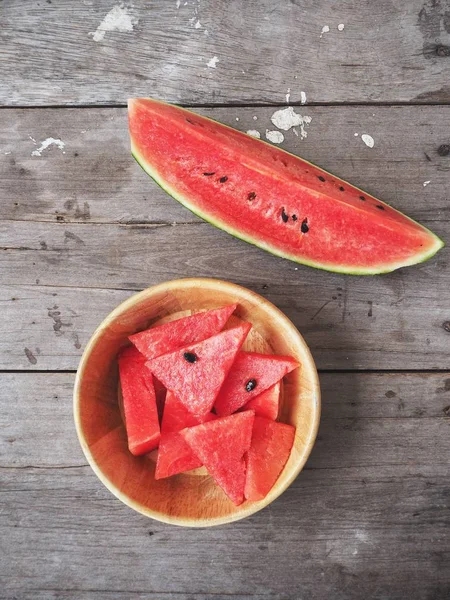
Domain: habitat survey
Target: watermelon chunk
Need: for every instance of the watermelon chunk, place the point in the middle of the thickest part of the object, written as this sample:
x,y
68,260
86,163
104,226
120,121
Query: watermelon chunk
x,y
221,446
252,374
165,338
195,373
266,404
139,402
271,198
269,451
174,454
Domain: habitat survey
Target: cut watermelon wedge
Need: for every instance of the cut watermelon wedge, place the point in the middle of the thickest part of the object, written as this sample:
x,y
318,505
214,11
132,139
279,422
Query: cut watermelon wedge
x,y
266,404
174,454
196,373
221,445
139,402
252,374
165,338
269,451
271,198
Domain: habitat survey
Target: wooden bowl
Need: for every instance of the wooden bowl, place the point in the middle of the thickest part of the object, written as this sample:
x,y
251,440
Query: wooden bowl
x,y
191,499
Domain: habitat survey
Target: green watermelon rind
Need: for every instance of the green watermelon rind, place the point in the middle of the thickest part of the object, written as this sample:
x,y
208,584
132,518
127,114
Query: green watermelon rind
x,y
348,270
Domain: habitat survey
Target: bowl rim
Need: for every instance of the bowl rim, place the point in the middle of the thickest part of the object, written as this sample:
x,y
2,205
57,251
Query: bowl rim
x,y
243,293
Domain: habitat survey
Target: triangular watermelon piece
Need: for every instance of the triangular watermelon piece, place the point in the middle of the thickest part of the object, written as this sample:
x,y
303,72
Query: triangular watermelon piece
x,y
221,446
165,338
251,374
174,454
269,451
266,404
139,402
195,373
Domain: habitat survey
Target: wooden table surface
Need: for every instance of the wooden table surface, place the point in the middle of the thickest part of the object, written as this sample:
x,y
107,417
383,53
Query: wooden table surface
x,y
83,228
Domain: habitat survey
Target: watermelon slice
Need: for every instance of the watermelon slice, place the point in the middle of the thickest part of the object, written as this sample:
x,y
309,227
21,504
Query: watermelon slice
x,y
271,198
165,338
266,404
174,454
269,452
195,373
139,402
252,374
221,446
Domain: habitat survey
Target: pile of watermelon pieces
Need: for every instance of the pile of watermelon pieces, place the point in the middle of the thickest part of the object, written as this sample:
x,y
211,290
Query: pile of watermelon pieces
x,y
189,391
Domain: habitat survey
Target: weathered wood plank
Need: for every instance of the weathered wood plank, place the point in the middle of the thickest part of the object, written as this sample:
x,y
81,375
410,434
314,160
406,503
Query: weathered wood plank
x,y
394,321
94,178
386,52
369,515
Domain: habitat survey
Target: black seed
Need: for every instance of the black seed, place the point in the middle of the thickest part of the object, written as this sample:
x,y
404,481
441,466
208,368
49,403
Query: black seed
x,y
305,227
321,178
251,196
427,157
341,188
209,174
284,216
362,198
380,207
223,179
294,217
250,385
190,357
189,121
444,150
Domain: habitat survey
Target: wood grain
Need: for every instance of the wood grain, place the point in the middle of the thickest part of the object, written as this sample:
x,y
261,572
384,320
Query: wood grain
x,y
377,478
94,179
389,52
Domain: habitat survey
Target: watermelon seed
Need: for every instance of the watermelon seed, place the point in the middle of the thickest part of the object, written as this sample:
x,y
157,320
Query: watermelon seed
x,y
209,174
341,187
250,385
294,217
321,178
380,207
189,121
223,179
444,150
190,357
251,196
305,227
284,216
362,198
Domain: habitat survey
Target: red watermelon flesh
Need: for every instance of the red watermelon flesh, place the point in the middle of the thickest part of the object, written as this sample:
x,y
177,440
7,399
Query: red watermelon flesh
x,y
165,338
221,446
252,373
266,404
271,198
174,454
269,451
139,402
196,372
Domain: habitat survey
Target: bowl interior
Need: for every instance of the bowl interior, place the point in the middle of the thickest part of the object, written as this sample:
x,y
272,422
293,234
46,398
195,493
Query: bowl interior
x,y
191,499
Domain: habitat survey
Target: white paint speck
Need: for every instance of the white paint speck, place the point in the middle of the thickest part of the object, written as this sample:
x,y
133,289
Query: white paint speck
x,y
355,552
276,137
237,118
213,62
325,29
295,268
32,139
7,153
368,140
119,18
206,32
303,97
356,134
197,25
83,130
288,95
425,183
341,27
286,118
253,133
46,143
255,118
178,4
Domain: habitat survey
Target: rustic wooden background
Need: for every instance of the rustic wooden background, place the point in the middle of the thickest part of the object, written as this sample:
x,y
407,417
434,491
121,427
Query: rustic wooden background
x,y
83,228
